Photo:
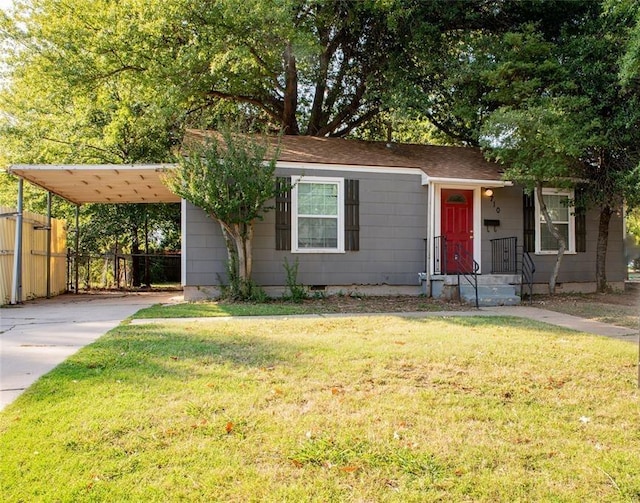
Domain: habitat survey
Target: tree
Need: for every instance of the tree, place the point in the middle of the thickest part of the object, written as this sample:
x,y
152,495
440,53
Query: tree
x,y
480,57
231,178
59,105
562,63
538,147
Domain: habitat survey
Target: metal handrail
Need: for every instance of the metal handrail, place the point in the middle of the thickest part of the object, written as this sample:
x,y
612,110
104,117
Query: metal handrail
x,y
440,255
468,268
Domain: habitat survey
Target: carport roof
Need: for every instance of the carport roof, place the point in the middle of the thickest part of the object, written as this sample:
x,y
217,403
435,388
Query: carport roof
x,y
102,183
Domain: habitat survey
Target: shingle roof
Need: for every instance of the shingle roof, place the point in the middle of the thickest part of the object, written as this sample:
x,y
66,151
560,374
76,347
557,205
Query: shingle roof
x,y
461,163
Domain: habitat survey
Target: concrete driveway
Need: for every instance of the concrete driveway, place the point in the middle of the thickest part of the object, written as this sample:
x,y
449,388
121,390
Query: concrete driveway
x,y
38,335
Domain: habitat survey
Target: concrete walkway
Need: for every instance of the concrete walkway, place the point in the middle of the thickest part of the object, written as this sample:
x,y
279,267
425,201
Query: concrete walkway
x,y
38,335
566,321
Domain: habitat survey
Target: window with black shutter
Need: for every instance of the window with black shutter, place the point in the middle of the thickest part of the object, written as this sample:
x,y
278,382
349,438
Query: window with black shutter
x,y
581,220
352,215
283,213
285,219
529,221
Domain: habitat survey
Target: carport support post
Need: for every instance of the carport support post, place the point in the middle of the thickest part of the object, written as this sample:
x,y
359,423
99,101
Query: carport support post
x,y
16,287
77,243
48,267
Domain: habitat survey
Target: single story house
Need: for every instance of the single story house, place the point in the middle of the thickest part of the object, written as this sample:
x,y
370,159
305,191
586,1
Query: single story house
x,y
371,218
387,218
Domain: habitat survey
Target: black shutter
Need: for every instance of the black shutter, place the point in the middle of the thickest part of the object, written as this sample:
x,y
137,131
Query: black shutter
x,y
580,219
529,221
352,215
283,213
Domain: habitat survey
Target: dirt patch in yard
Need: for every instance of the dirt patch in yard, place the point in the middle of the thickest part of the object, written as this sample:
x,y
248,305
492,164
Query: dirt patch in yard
x,y
617,308
383,304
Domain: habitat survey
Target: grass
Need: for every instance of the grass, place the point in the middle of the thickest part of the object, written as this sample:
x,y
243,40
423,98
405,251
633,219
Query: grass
x,y
349,409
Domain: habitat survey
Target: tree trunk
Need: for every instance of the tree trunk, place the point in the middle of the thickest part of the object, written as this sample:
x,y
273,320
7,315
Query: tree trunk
x,y
562,245
232,251
242,235
289,120
601,249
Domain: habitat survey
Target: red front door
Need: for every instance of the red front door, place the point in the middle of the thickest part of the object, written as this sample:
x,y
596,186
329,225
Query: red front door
x,y
457,225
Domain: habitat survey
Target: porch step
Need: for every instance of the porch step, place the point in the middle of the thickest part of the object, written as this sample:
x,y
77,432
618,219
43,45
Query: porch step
x,y
483,279
490,295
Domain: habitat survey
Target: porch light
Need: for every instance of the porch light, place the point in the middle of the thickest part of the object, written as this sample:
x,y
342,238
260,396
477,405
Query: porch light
x,y
488,193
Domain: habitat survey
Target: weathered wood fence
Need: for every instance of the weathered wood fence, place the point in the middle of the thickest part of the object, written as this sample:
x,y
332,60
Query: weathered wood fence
x,y
34,255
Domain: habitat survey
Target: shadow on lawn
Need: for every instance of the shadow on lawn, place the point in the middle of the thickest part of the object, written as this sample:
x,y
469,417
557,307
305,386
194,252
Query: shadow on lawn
x,y
156,351
502,322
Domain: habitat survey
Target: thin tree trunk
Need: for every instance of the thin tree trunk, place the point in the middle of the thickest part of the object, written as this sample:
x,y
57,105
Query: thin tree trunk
x,y
601,249
248,250
562,245
290,93
232,251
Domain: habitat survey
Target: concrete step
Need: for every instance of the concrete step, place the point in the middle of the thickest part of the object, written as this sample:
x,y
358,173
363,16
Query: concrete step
x,y
497,295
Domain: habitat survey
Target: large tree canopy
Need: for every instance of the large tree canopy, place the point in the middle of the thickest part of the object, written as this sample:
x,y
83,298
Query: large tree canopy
x,y
98,80
118,80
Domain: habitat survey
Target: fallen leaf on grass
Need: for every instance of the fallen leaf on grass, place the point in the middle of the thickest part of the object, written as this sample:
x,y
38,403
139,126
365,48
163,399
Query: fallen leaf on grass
x,y
229,427
349,469
399,343
174,358
296,463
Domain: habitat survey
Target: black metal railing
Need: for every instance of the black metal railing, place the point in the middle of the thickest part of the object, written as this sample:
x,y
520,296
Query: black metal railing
x,y
466,268
504,255
440,255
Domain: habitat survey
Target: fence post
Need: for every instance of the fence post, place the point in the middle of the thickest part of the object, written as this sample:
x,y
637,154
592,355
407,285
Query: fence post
x,y
48,264
16,287
77,250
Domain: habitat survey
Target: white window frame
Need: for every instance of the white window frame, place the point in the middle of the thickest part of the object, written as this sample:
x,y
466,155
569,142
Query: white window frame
x,y
571,245
295,182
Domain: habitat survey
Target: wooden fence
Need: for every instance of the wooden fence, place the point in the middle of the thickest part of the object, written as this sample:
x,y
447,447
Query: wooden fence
x,y
34,255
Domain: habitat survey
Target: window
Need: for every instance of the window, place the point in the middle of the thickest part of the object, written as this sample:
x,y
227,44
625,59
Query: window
x,y
559,205
317,214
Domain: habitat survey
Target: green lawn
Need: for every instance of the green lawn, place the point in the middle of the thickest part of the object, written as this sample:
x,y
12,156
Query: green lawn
x,y
348,409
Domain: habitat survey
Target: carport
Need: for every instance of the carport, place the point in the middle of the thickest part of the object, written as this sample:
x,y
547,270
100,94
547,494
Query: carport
x,y
83,184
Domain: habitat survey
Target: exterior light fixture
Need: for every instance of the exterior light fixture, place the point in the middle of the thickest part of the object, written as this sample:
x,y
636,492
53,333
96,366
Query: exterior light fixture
x,y
488,193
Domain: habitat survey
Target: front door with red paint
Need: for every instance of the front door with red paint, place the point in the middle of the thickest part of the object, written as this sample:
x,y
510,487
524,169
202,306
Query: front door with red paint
x,y
456,225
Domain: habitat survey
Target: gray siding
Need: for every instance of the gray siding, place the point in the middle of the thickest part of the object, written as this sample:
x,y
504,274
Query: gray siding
x,y
578,267
203,247
393,225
